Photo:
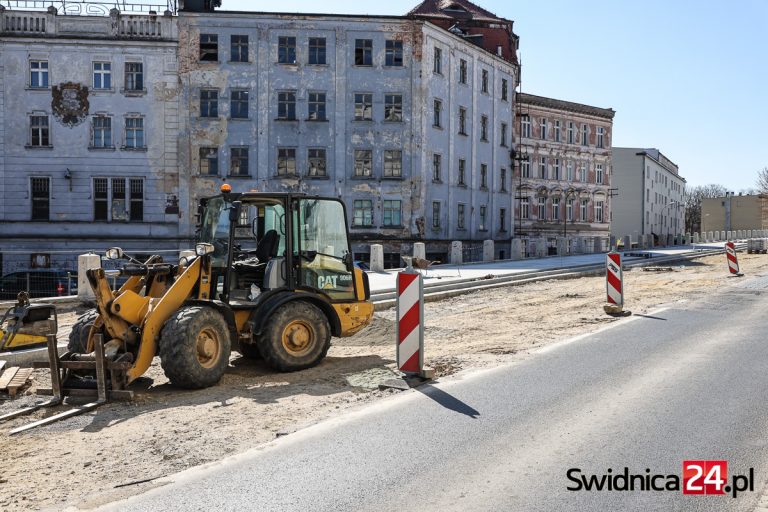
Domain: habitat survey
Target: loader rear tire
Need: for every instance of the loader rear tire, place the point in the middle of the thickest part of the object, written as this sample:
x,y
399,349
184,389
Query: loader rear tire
x,y
194,347
297,336
78,337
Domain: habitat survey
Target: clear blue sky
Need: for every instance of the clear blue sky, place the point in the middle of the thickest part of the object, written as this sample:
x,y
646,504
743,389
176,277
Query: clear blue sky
x,y
688,77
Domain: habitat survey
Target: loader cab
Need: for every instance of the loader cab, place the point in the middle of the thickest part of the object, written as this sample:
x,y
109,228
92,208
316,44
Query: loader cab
x,y
278,241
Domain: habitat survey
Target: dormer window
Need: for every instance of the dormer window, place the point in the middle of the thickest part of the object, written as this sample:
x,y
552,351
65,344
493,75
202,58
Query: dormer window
x,y
455,8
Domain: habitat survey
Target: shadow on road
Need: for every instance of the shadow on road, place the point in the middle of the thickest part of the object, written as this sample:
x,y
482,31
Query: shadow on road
x,y
448,401
651,317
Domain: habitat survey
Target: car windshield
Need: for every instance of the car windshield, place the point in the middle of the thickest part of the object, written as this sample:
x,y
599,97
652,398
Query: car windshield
x,y
214,229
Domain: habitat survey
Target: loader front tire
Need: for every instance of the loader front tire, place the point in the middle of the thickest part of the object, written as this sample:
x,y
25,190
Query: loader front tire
x,y
296,336
194,347
78,337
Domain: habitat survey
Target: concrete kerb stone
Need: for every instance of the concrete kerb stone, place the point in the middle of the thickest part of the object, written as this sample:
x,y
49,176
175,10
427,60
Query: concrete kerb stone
x,y
420,250
377,258
457,253
488,250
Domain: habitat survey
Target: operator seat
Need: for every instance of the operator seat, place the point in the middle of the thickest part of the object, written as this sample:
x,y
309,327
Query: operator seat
x,y
267,246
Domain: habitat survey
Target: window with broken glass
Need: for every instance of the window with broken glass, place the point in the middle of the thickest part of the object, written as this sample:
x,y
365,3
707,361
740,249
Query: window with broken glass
x,y
238,48
363,163
286,106
363,52
317,162
134,76
317,51
286,50
393,163
317,106
209,103
238,161
393,53
286,161
363,107
209,161
393,107
209,47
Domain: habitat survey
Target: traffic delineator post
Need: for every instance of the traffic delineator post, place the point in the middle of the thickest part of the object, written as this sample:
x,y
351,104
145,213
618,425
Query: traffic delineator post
x,y
732,259
410,324
614,285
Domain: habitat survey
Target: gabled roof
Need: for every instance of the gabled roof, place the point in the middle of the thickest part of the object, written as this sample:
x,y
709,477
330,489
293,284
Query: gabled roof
x,y
451,9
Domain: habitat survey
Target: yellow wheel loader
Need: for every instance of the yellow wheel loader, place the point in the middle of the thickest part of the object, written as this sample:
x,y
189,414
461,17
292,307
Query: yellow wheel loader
x,y
272,276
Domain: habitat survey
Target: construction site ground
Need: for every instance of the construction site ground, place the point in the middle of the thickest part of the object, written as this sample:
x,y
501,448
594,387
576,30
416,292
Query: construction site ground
x,y
123,448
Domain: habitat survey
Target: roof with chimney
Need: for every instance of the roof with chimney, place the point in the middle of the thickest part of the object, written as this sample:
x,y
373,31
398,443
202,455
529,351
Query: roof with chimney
x,y
452,9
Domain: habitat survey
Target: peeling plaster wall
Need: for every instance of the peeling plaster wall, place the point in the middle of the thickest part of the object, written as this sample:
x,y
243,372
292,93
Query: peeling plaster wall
x,y
70,46
340,79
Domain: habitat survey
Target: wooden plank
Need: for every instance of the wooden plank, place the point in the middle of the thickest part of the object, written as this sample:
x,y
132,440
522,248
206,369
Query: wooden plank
x,y
2,364
7,376
19,380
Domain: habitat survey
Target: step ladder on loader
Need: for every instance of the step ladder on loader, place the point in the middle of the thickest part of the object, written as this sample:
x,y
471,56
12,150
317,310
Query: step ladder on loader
x,y
65,382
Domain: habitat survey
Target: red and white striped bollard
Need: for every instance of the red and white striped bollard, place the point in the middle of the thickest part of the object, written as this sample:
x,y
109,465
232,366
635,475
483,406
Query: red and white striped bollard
x,y
733,260
614,285
410,322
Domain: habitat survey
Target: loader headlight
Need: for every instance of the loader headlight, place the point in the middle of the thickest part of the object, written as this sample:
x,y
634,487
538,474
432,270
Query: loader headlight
x,y
114,253
203,249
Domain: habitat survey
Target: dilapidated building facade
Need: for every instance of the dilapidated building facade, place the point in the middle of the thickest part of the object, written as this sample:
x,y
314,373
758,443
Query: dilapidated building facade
x,y
89,119
563,169
409,123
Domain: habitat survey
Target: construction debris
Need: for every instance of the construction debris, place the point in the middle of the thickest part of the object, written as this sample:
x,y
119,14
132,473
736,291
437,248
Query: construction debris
x,y
658,269
19,381
6,377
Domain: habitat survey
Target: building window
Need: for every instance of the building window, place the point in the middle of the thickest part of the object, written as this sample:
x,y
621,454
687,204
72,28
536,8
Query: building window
x,y
363,52
525,168
583,210
391,212
569,171
438,110
393,163
542,208
483,176
437,167
484,128
543,168
238,48
557,131
583,173
462,171
599,211
571,132
556,169
317,51
600,136
41,198
543,127
363,163
286,106
134,133
504,89
503,180
238,161
102,132
39,131
462,121
38,74
317,162
437,65
394,54
502,219
238,104
209,47
484,81
463,71
555,208
363,107
393,107
525,208
102,75
363,213
134,76
483,218
584,135
525,126
286,161
503,135
569,210
460,217
118,199
209,103
435,214
599,174
286,50
209,161
317,107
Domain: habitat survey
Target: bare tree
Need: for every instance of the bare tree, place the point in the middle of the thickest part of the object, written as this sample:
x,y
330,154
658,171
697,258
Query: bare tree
x,y
693,204
762,180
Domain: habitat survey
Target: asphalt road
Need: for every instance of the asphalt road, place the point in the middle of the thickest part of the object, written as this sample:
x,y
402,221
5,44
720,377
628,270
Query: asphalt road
x,y
686,383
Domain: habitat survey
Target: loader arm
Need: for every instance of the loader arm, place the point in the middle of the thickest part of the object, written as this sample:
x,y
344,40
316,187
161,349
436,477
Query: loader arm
x,y
160,310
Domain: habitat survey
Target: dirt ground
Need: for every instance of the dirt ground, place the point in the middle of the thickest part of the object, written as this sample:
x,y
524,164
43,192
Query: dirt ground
x,y
102,456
